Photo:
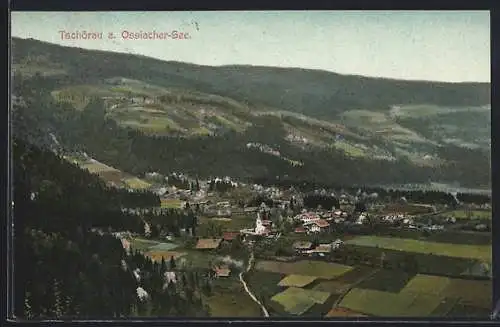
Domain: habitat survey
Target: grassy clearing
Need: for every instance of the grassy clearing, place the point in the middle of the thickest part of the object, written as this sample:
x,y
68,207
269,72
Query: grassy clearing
x,y
481,252
231,300
319,269
164,247
136,183
349,149
474,214
142,244
171,203
297,301
296,281
385,304
97,167
198,259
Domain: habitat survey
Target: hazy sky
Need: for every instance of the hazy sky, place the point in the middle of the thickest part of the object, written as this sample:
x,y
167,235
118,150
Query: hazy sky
x,y
443,46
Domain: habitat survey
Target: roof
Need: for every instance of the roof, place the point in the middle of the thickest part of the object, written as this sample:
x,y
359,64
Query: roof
x,y
266,222
322,223
300,230
223,271
323,248
229,236
302,245
208,243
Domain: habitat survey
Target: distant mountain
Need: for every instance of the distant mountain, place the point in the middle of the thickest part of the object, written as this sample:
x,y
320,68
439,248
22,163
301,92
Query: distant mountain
x,y
299,122
313,92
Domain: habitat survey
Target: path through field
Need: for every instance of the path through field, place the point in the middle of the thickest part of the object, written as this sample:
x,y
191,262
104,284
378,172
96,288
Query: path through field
x,y
250,262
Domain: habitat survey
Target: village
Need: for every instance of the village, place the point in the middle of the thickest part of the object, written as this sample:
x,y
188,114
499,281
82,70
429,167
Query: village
x,y
263,248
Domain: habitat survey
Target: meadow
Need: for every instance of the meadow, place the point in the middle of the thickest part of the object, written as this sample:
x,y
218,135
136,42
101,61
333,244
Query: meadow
x,y
298,301
320,269
480,252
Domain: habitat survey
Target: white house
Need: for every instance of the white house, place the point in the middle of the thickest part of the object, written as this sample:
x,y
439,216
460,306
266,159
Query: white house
x,y
142,294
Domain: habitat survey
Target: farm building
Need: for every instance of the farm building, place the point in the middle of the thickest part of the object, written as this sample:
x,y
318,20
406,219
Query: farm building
x,y
300,230
221,271
208,243
301,246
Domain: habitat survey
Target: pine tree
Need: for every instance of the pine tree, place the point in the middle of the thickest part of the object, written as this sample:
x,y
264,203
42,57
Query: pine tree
x,y
58,304
28,313
172,263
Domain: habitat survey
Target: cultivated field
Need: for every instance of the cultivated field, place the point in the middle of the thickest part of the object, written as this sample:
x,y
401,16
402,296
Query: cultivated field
x,y
476,293
297,281
343,282
318,269
170,203
136,183
481,252
386,304
297,301
229,299
97,167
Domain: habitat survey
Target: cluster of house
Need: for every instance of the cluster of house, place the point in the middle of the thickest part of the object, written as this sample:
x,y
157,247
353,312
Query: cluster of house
x,y
317,222
308,248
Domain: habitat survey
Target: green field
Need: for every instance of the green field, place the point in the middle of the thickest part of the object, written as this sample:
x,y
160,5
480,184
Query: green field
x,y
474,214
296,281
481,252
386,304
297,301
427,284
171,203
343,282
319,269
349,149
477,293
264,284
136,183
142,244
229,299
96,167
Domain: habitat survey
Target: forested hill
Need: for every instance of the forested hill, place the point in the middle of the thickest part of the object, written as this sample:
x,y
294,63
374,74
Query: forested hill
x,y
64,268
312,92
153,115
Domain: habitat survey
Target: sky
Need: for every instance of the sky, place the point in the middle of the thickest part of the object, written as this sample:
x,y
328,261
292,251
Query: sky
x,y
451,46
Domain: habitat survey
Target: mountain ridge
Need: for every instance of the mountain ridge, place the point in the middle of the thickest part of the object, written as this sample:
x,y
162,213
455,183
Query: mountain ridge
x,y
292,111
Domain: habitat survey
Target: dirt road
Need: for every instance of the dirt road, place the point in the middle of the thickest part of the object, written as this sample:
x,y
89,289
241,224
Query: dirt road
x,y
245,286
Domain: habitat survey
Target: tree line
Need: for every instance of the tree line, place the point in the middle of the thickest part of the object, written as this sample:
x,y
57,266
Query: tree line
x,y
64,268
